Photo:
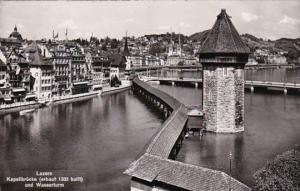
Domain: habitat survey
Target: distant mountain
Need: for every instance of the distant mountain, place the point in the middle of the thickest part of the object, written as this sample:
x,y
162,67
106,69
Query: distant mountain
x,y
291,46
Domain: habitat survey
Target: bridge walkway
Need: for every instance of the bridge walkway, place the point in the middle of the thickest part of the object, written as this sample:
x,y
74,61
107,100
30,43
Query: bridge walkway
x,y
156,166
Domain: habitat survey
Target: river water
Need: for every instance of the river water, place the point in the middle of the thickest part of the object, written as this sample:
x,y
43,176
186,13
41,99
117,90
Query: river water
x,y
271,127
102,136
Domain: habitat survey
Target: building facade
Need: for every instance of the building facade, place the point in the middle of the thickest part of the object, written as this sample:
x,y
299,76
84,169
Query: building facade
x,y
62,61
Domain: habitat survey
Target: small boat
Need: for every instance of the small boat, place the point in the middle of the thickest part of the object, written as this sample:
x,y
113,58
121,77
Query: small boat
x,y
23,112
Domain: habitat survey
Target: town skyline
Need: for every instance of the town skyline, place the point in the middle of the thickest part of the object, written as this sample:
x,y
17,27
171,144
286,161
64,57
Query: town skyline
x,y
138,19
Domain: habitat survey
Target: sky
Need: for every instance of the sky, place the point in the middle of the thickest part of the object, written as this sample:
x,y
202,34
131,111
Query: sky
x,y
36,19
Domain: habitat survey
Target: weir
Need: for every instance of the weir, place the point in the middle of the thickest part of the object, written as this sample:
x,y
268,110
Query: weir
x,y
156,168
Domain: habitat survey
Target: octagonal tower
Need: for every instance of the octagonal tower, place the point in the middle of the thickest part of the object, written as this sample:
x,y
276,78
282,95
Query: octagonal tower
x,y
223,56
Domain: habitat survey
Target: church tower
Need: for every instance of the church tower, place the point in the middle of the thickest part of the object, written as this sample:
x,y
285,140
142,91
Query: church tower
x,y
223,56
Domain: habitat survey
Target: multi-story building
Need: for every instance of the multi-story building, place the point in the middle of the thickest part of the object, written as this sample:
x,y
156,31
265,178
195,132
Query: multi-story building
x,y
41,70
18,74
3,88
2,73
79,73
98,64
62,60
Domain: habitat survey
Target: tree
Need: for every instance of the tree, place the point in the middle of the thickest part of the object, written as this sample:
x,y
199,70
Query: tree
x,y
283,173
114,43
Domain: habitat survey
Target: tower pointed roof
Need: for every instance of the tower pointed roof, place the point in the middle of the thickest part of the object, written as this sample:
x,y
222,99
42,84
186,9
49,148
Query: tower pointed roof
x,y
126,50
223,37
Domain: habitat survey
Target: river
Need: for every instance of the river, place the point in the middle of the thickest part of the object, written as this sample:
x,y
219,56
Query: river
x,y
271,127
102,136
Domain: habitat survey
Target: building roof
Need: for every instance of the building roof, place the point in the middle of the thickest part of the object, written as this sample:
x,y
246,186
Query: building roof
x,y
35,55
2,63
126,50
118,60
223,37
15,34
185,176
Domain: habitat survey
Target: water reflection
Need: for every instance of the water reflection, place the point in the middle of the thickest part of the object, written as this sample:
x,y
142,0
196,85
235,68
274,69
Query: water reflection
x,y
101,136
271,127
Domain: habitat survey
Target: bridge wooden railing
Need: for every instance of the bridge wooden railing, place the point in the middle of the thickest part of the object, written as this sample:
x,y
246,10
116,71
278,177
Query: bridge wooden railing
x,y
155,164
166,98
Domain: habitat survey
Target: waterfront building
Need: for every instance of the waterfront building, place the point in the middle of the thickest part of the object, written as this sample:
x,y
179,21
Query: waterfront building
x,y
2,73
18,74
118,65
41,70
79,78
174,60
277,59
189,60
152,61
62,60
223,56
2,81
98,64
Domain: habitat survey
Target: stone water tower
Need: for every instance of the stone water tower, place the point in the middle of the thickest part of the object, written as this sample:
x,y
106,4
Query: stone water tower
x,y
223,56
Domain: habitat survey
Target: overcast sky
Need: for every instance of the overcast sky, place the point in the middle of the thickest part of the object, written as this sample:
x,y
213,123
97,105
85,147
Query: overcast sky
x,y
36,20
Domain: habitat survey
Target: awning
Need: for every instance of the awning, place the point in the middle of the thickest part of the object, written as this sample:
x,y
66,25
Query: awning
x,y
97,86
19,90
80,83
7,99
30,96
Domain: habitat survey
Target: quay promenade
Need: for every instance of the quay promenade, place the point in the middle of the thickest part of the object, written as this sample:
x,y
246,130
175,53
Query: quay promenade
x,y
156,167
19,106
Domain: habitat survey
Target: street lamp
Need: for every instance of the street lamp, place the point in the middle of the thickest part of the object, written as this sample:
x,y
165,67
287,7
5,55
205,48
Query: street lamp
x,y
230,158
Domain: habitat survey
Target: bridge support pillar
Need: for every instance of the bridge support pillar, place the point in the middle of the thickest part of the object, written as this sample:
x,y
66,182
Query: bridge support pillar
x,y
252,89
196,85
285,91
173,83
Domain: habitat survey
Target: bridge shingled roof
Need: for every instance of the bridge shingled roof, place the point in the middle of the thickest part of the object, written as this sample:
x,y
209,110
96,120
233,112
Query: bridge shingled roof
x,y
185,176
223,38
153,164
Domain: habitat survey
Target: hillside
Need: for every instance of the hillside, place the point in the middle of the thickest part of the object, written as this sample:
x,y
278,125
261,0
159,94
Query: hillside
x,y
199,37
291,46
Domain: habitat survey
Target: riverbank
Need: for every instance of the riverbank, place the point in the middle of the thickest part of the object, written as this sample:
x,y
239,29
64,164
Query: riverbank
x,y
17,107
126,85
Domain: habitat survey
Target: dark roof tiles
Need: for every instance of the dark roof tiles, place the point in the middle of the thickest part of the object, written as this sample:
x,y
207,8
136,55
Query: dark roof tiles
x,y
186,176
223,37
